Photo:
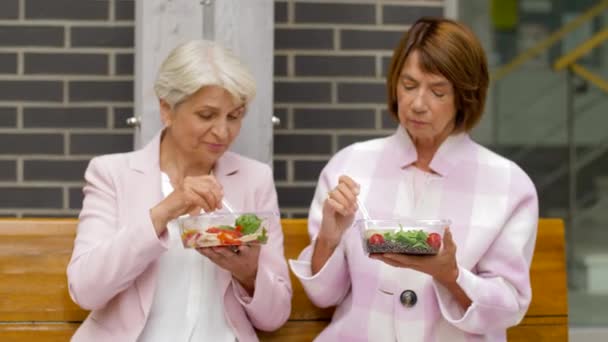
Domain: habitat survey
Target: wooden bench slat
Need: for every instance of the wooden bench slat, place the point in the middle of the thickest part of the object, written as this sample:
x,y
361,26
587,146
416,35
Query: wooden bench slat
x,y
296,232
49,264
548,271
34,254
294,331
37,227
545,320
538,333
47,332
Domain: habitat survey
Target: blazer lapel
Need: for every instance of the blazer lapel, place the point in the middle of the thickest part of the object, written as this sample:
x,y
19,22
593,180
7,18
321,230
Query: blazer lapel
x,y
145,192
226,166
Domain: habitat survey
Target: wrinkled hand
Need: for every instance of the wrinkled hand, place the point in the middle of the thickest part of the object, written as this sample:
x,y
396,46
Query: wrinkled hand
x,y
241,261
339,209
188,197
442,266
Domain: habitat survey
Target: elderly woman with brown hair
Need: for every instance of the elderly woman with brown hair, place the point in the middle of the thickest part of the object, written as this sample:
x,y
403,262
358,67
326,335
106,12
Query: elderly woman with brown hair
x,y
430,168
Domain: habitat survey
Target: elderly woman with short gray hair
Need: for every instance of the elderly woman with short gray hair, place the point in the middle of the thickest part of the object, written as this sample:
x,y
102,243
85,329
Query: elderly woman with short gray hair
x,y
128,265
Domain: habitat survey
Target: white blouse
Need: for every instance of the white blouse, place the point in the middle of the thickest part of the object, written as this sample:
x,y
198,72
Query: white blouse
x,y
187,303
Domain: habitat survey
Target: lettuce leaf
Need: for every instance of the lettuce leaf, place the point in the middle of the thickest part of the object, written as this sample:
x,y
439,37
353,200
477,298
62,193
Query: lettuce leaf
x,y
249,222
263,237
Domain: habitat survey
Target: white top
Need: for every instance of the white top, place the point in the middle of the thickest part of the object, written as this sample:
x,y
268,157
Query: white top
x,y
187,305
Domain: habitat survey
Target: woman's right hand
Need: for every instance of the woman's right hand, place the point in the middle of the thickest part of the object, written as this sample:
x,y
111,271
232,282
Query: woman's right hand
x,y
339,210
188,197
338,214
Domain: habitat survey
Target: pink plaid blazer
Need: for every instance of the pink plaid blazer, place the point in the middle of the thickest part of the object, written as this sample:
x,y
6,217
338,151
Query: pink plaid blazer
x,y
493,207
114,264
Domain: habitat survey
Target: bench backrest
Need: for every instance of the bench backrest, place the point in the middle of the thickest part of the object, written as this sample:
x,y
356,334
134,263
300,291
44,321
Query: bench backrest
x,y
35,305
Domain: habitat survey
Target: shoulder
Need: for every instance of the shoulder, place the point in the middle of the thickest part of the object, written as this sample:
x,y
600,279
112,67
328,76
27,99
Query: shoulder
x,y
109,163
107,171
115,159
248,167
503,169
359,152
368,146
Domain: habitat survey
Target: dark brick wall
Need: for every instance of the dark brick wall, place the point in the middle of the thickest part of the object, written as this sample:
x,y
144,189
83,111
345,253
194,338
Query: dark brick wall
x,y
66,74
330,61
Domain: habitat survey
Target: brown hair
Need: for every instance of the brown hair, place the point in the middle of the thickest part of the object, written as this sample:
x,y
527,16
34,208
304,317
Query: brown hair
x,y
450,49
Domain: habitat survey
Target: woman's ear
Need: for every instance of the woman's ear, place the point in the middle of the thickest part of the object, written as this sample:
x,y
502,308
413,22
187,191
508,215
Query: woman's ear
x,y
166,113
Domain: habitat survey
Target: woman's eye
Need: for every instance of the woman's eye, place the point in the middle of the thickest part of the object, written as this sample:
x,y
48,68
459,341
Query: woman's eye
x,y
237,114
409,86
438,94
205,115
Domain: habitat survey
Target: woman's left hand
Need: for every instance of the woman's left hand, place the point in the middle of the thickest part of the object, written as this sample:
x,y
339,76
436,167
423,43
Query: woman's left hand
x,y
442,266
241,261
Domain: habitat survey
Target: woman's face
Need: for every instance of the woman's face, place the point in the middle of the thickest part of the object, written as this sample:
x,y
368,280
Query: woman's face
x,y
426,103
205,124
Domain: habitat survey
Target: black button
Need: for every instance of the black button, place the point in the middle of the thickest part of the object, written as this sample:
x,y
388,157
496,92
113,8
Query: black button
x,y
408,298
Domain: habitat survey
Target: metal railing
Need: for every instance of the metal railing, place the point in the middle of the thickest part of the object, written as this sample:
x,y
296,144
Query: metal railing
x,y
569,63
533,52
548,42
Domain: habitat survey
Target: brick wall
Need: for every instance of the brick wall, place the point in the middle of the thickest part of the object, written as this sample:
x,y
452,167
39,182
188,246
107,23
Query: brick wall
x,y
330,63
66,88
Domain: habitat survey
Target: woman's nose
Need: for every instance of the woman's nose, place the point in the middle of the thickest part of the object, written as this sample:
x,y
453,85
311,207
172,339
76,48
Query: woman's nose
x,y
220,129
419,103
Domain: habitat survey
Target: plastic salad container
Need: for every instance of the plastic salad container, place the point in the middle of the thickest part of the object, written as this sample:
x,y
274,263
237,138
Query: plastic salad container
x,y
405,236
224,229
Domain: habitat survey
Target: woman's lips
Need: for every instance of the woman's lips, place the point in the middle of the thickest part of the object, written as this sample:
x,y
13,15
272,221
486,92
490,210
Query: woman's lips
x,y
216,147
417,123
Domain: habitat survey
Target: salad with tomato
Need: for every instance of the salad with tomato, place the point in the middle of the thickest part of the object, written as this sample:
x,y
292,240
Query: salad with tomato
x,y
413,241
207,230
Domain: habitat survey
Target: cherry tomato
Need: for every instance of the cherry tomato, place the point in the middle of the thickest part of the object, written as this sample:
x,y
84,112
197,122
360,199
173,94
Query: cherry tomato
x,y
376,239
228,237
239,229
434,240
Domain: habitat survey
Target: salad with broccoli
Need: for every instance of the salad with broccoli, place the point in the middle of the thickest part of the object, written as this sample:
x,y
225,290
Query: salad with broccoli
x,y
245,229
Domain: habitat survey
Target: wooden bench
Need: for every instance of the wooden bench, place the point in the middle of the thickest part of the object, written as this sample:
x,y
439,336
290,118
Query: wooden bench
x,y
35,304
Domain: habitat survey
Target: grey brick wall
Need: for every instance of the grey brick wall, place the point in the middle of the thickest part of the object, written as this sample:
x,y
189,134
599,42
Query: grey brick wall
x,y
66,80
330,62
66,86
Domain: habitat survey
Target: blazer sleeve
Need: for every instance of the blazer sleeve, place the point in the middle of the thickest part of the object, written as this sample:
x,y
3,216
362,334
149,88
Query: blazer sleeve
x,y
107,257
270,306
499,287
331,284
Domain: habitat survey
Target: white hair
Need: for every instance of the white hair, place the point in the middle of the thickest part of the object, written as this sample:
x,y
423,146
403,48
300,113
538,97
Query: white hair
x,y
199,63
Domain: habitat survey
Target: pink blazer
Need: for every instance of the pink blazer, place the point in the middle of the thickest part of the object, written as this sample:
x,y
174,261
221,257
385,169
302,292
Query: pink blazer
x,y
493,207
114,265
